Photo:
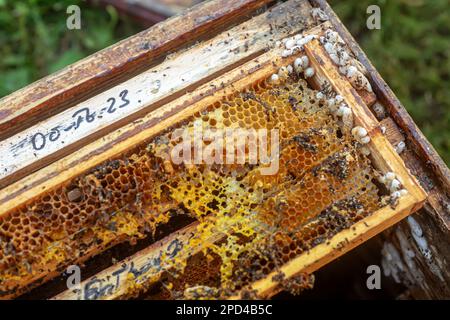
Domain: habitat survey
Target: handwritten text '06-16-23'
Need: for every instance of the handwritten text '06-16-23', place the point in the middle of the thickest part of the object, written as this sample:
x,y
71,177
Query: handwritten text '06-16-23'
x,y
39,139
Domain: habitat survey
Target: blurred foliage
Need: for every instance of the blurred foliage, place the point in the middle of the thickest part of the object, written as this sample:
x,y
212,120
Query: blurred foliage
x,y
34,39
411,51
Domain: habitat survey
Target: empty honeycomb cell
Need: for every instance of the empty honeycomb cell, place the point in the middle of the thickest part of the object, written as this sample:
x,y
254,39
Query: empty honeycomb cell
x,y
322,186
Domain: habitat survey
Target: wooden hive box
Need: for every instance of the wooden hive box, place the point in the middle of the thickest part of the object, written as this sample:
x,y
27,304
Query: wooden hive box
x,y
82,169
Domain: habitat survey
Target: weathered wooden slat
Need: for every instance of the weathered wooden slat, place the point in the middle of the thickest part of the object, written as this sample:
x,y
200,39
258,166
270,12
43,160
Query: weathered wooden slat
x,y
67,131
148,265
61,89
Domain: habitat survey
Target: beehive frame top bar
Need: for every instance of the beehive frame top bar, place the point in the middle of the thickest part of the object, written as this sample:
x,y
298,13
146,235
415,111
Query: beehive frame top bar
x,y
135,53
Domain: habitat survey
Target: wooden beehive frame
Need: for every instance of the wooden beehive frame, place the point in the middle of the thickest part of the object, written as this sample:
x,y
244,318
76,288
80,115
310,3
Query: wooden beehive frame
x,y
107,68
113,283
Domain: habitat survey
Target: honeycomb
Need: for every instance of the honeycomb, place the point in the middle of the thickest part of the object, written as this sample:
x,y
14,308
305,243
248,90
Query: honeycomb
x,y
323,185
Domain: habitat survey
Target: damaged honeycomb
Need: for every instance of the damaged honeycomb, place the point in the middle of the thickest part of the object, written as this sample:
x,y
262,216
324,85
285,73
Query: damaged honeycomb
x,y
322,186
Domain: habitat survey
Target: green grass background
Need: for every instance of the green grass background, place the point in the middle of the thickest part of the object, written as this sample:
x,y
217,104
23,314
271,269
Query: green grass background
x,y
411,51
